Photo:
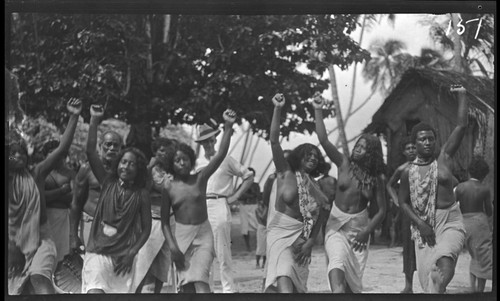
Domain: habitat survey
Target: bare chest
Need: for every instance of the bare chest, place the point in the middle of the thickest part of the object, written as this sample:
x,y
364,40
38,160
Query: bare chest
x,y
182,193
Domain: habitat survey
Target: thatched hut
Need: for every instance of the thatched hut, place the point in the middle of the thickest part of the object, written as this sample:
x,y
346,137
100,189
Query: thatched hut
x,y
423,95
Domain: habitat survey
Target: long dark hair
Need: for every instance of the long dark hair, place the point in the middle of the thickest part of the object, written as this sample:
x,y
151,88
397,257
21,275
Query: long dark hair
x,y
142,176
373,161
296,155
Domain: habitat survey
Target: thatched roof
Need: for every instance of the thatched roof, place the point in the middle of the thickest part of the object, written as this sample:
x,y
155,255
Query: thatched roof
x,y
479,89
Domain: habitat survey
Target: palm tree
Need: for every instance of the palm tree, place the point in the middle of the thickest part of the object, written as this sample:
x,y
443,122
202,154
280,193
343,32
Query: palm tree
x,y
387,64
472,50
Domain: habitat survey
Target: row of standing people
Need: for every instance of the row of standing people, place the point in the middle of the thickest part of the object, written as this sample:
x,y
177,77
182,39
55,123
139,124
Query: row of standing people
x,y
182,211
425,195
121,221
113,192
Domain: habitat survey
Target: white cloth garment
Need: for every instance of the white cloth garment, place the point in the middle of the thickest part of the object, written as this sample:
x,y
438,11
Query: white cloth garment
x,y
341,229
219,215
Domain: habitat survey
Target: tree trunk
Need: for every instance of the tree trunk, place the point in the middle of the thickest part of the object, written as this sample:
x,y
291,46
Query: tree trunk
x,y
37,42
166,28
457,61
338,113
149,59
354,75
140,135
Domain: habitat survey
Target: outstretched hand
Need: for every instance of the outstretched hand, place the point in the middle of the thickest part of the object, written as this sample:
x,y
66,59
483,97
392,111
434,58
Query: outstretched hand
x,y
278,100
74,106
229,116
96,111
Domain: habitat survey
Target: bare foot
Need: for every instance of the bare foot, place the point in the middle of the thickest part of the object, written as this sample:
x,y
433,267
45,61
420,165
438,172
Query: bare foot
x,y
436,281
407,290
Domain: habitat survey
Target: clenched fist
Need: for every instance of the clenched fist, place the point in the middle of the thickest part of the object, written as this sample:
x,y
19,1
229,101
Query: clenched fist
x,y
278,100
229,116
96,111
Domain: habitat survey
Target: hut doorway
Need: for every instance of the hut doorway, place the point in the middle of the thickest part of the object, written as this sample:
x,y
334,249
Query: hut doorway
x,y
410,124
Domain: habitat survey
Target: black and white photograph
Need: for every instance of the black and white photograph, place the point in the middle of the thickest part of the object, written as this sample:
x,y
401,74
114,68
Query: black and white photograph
x,y
154,149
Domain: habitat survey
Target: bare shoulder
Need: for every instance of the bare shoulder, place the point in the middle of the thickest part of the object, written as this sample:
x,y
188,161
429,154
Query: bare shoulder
x,y
405,172
404,166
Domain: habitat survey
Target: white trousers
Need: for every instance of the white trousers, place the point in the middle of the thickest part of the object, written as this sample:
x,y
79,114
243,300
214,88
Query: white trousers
x,y
219,216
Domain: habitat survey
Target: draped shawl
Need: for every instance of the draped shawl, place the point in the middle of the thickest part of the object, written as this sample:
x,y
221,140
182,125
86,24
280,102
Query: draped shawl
x,y
423,197
115,210
311,199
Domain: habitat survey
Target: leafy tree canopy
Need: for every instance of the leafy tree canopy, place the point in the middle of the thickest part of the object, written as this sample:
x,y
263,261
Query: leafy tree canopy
x,y
172,69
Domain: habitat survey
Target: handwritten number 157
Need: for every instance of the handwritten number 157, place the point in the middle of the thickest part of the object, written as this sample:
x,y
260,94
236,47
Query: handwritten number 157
x,y
461,27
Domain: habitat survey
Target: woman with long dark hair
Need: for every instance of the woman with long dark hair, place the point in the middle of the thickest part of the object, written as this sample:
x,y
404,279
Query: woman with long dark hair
x,y
295,222
360,181
122,221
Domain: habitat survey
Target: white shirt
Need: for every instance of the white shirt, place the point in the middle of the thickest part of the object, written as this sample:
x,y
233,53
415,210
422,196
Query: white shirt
x,y
221,182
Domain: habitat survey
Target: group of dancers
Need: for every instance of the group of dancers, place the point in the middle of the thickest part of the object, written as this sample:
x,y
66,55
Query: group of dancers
x,y
171,215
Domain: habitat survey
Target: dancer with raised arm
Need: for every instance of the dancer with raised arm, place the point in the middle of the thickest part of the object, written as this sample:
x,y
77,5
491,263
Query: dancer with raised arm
x,y
192,242
31,249
360,181
87,190
426,196
296,219
122,221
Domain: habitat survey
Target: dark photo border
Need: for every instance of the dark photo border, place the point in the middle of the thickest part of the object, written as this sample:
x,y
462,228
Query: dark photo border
x,y
250,7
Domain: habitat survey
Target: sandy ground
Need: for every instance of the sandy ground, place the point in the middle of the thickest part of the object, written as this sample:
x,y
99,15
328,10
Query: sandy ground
x,y
383,273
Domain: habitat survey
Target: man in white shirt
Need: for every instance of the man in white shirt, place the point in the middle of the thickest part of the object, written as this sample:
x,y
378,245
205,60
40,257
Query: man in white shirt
x,y
221,193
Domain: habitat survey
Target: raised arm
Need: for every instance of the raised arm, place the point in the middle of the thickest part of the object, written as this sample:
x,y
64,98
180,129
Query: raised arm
x,y
274,134
96,165
453,143
229,119
74,107
392,181
331,151
177,255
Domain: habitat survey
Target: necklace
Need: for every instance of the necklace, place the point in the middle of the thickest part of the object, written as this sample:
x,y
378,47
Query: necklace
x,y
422,161
365,180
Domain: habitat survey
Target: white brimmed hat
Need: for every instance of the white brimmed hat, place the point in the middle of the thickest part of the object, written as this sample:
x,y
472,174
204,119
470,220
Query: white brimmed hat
x,y
205,131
